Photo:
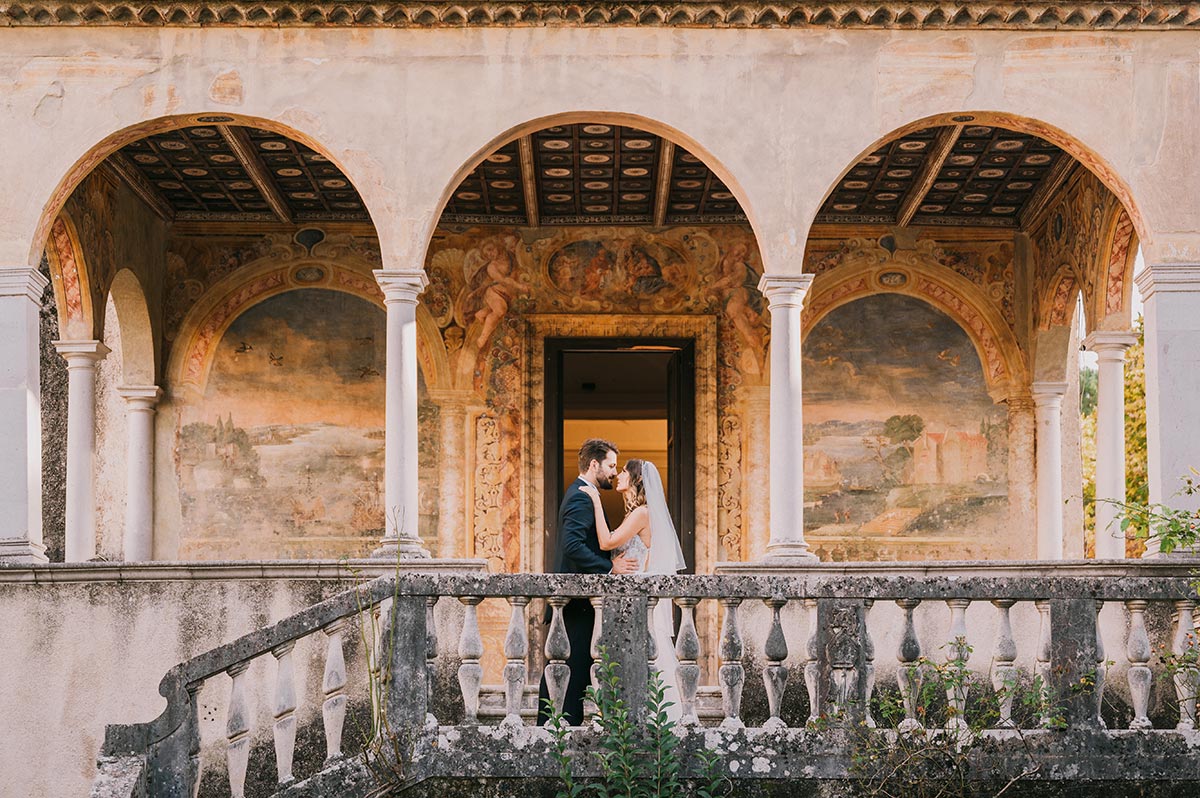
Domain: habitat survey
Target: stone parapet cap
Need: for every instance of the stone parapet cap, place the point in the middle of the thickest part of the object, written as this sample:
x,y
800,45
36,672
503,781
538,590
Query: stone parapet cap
x,y
1168,278
1109,341
401,285
955,15
57,573
785,290
82,351
23,281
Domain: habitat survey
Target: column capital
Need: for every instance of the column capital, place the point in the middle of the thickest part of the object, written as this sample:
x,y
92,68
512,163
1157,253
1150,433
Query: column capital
x,y
23,281
401,285
1168,278
144,396
785,290
1046,394
1020,400
1106,341
77,351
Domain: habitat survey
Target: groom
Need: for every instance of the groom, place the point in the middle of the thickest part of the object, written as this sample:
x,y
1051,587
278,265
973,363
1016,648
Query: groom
x,y
579,552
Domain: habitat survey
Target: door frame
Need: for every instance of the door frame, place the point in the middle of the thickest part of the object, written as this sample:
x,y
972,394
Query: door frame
x,y
702,329
681,432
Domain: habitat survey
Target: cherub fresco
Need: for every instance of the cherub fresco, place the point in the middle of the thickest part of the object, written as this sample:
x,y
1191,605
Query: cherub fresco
x,y
491,284
737,286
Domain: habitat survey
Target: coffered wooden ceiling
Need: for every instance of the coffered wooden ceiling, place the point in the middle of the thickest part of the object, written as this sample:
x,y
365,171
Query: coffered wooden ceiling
x,y
962,175
241,174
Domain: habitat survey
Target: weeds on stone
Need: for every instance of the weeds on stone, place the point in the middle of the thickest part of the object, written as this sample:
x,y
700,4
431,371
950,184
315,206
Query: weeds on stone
x,y
635,761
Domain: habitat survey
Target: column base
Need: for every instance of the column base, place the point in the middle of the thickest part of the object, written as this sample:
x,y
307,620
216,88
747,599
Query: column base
x,y
396,549
18,551
782,553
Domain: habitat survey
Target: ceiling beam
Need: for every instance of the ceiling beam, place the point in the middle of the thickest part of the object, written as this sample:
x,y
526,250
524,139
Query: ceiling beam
x,y
663,189
1039,203
942,146
124,170
242,147
529,181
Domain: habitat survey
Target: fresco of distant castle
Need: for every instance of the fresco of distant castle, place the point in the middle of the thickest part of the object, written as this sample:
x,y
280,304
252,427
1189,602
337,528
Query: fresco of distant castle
x,y
277,462
904,449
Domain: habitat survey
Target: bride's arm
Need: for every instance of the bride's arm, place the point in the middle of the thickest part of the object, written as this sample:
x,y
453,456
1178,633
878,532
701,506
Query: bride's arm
x,y
634,523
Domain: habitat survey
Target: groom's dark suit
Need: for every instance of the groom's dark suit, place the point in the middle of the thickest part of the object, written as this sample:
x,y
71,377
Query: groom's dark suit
x,y
578,553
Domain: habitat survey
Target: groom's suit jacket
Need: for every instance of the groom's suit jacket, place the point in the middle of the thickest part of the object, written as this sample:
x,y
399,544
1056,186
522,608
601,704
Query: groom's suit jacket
x,y
579,549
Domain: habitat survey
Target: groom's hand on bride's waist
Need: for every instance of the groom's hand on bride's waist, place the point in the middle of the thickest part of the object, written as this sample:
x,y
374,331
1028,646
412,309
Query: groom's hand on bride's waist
x,y
624,565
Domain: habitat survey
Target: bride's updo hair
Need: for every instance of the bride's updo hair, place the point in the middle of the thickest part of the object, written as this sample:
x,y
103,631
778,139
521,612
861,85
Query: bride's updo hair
x,y
636,495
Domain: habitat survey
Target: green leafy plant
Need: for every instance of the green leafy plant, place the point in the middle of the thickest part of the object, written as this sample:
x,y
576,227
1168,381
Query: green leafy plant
x,y
1168,527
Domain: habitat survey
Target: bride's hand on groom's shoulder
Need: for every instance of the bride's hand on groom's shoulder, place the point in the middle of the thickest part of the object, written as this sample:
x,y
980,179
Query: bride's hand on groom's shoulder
x,y
590,491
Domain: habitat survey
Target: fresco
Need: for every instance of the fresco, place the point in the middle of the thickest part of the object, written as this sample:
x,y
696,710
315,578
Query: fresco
x,y
906,455
283,456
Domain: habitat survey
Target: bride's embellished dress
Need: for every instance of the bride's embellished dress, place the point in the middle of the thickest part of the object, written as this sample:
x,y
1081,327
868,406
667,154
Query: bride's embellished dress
x,y
663,630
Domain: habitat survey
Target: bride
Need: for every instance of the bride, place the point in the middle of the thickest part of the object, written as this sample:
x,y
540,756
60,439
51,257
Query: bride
x,y
648,536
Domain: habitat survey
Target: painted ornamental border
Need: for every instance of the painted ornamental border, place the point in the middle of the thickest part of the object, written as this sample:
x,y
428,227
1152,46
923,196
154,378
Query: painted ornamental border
x,y
933,15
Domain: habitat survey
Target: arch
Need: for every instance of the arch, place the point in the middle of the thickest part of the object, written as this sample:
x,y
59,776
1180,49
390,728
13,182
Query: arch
x,y
872,271
118,139
71,281
1111,308
1056,306
138,342
648,124
1070,144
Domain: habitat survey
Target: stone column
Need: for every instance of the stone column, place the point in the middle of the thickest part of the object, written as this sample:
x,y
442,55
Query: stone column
x,y
1022,470
785,295
1047,410
139,460
400,291
1171,293
21,416
81,357
1110,346
452,460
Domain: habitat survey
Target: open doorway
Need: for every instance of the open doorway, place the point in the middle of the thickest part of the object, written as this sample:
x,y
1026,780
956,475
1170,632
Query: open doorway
x,y
640,394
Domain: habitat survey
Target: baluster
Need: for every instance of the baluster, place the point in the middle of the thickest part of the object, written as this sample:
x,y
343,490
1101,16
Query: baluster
x,y
775,674
558,649
651,641
957,653
237,731
908,675
732,673
516,646
285,711
1042,668
1137,649
431,652
597,603
1183,646
812,671
333,684
1101,669
1004,672
470,649
868,665
687,650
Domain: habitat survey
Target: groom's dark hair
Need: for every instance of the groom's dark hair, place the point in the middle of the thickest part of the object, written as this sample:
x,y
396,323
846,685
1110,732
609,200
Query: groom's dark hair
x,y
594,449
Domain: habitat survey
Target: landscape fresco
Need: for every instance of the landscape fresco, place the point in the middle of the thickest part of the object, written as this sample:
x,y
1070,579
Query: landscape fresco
x,y
906,455
284,455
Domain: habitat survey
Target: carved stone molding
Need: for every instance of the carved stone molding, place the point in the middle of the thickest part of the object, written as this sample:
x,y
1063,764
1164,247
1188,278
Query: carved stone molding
x,y
929,15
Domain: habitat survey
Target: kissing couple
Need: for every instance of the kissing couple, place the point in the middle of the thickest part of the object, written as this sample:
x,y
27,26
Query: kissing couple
x,y
645,543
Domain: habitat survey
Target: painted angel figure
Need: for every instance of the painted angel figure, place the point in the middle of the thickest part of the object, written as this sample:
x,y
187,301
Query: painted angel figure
x,y
490,270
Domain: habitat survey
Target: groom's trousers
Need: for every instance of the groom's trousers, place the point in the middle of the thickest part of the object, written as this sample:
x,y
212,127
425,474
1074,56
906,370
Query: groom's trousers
x,y
579,616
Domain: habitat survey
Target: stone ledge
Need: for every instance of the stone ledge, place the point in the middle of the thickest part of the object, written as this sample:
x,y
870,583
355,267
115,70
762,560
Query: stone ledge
x,y
960,15
62,573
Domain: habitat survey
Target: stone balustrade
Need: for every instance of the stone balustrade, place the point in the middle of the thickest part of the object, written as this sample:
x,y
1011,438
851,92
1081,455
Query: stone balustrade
x,y
833,658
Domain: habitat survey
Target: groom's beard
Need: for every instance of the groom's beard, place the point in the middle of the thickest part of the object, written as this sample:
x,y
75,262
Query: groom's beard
x,y
604,483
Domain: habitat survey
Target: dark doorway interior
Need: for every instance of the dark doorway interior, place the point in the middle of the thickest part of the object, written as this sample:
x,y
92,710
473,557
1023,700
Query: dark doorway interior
x,y
640,394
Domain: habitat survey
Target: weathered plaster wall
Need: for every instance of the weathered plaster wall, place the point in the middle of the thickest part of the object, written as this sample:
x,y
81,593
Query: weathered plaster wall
x,y
53,373
111,444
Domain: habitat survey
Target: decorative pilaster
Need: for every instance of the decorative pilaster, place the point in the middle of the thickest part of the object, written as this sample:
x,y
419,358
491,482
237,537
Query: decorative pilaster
x,y
81,357
1110,347
21,416
1047,405
139,460
785,295
452,493
400,291
1171,293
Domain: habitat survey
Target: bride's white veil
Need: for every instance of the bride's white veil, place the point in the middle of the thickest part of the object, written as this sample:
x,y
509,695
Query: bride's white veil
x,y
666,555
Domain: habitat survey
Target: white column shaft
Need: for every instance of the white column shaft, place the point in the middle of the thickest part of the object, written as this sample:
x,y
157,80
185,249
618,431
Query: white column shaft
x,y
786,296
21,416
139,484
81,357
1110,439
1047,409
400,290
